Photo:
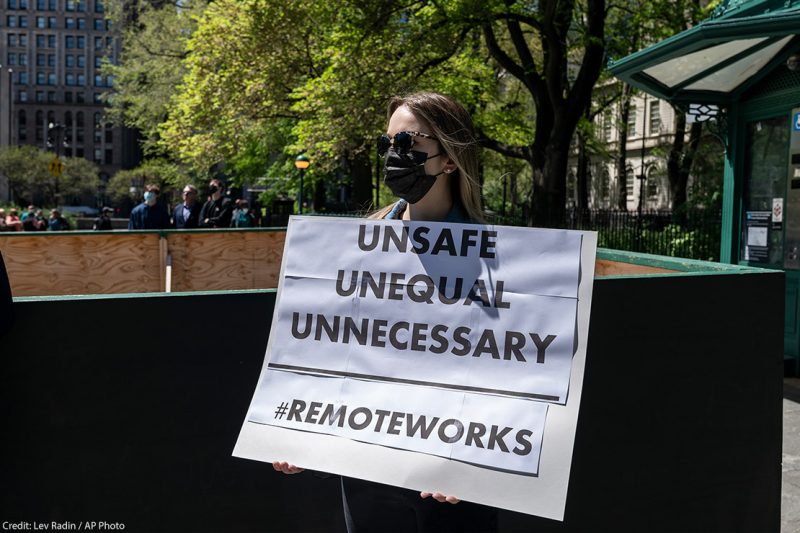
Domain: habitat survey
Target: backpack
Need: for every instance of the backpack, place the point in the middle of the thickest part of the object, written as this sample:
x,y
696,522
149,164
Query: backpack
x,y
243,220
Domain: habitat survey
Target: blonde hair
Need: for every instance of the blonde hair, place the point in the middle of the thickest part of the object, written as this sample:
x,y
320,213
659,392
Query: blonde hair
x,y
452,126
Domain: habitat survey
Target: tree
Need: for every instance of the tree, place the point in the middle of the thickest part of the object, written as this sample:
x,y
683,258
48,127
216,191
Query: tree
x,y
26,168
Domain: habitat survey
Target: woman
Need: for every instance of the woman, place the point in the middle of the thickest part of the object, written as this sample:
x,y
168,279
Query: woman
x,y
431,163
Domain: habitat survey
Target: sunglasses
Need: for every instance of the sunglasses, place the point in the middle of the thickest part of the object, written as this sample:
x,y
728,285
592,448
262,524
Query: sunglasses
x,y
402,141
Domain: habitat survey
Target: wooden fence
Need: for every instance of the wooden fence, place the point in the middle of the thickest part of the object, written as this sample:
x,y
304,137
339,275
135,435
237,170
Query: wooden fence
x,y
45,264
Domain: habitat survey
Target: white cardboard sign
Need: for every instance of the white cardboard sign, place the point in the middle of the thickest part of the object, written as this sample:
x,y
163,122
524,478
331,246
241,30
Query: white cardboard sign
x,y
448,348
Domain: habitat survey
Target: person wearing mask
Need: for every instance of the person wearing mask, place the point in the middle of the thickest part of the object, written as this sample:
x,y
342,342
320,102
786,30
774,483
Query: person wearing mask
x,y
150,214
217,211
431,163
57,222
186,214
103,222
242,216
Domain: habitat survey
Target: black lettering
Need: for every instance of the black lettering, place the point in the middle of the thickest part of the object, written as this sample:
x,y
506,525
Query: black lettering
x,y
424,431
526,445
396,286
513,346
379,422
418,337
541,345
313,411
367,418
460,336
367,281
456,291
423,242
496,438
395,422
466,242
332,417
487,344
488,245
459,431
393,335
474,433
362,230
444,243
378,332
350,328
332,330
478,293
340,290
436,336
298,406
400,240
425,294
295,331
498,296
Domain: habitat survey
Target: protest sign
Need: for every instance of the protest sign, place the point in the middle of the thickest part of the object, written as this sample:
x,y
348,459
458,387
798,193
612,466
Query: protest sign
x,y
430,342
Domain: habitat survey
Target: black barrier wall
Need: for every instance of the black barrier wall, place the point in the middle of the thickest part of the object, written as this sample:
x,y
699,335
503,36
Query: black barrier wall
x,y
126,410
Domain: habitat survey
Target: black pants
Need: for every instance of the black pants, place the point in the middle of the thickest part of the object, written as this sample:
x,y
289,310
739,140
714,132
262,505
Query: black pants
x,y
372,507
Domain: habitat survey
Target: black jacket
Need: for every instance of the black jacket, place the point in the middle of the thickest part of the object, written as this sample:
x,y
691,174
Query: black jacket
x,y
218,212
182,222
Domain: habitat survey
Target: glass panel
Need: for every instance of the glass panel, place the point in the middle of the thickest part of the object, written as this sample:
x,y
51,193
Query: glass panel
x,y
765,164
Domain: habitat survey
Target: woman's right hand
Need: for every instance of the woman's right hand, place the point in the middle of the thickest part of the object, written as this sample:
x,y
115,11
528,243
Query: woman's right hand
x,y
286,468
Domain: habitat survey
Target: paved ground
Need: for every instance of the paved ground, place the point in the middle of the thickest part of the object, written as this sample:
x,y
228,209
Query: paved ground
x,y
790,494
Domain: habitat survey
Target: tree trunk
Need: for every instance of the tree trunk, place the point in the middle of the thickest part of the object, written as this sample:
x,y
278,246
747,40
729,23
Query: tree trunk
x,y
582,178
680,159
622,153
548,195
361,182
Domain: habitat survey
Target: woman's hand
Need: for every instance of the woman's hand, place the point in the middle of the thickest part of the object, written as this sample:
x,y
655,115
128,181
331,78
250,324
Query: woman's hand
x,y
286,468
439,497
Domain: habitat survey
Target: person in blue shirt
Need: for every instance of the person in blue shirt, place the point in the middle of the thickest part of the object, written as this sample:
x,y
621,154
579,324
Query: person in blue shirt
x,y
150,214
186,214
431,163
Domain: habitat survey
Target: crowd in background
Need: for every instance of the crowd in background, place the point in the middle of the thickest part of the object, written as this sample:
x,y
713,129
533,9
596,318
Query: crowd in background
x,y
218,211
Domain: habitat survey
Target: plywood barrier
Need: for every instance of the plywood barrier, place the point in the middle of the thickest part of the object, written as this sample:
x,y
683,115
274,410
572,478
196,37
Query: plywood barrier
x,y
50,264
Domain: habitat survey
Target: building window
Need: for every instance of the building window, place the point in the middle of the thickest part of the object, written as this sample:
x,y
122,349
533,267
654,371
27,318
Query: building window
x,y
22,79
70,5
40,97
80,5
109,156
40,41
98,136
12,59
23,59
79,98
98,43
629,182
70,41
98,6
81,23
51,60
655,117
81,61
69,23
41,5
98,120
52,5
605,186
12,39
11,21
41,22
40,60
21,125
23,21
69,79
69,60
109,42
109,81
51,41
608,124
52,22
98,80
81,80
98,24
109,136
11,4
653,187
632,121
98,61
51,78
81,42
68,98
23,4
23,40
51,97
22,96
98,155
98,98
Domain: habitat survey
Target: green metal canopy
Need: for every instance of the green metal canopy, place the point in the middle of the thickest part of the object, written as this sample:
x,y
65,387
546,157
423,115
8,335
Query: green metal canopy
x,y
720,58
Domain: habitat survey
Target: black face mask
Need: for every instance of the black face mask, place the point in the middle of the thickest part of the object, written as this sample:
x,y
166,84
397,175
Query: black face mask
x,y
405,175
212,189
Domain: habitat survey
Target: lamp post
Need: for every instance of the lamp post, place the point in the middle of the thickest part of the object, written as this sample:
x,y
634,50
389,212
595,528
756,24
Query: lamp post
x,y
301,163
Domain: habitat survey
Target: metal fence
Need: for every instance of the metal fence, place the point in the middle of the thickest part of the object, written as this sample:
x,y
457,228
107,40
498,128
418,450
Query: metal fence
x,y
693,233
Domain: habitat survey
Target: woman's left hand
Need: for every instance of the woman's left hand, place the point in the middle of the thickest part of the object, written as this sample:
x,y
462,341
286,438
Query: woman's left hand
x,y
439,497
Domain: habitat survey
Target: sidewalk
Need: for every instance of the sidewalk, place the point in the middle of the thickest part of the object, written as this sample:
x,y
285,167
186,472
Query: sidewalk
x,y
790,493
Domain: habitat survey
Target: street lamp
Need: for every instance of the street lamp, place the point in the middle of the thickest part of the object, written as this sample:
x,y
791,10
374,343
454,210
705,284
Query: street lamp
x,y
301,163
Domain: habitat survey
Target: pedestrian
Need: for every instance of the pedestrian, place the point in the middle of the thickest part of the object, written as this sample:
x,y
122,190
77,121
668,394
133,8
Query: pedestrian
x,y
217,211
103,222
3,226
13,223
40,223
150,214
57,222
242,216
31,211
28,219
430,161
186,215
